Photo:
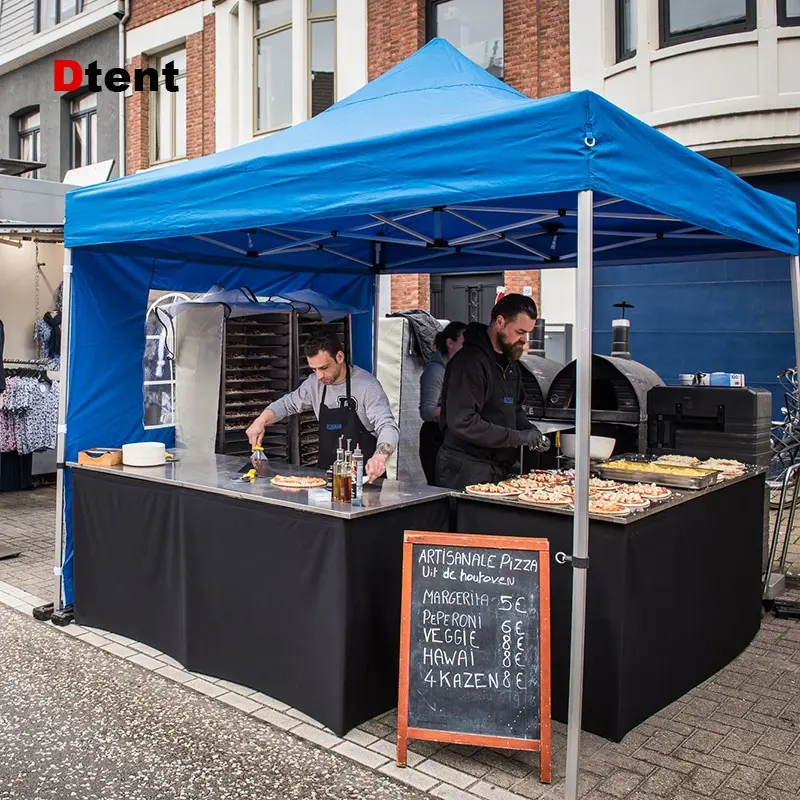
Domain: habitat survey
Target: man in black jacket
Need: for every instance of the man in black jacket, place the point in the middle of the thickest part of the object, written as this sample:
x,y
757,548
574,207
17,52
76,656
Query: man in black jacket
x,y
482,412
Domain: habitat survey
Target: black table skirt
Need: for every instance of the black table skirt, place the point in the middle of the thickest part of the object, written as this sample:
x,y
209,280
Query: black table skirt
x,y
672,598
301,606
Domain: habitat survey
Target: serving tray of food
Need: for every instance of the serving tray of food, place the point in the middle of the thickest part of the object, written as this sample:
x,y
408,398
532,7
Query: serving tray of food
x,y
636,469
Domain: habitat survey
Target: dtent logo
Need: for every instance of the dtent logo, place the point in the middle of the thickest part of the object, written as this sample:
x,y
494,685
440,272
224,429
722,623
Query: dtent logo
x,y
116,79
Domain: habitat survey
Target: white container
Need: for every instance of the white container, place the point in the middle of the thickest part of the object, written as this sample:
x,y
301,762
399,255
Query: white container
x,y
144,454
686,379
600,447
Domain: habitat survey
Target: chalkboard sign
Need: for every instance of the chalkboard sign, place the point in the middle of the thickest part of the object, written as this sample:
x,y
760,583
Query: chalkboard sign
x,y
475,643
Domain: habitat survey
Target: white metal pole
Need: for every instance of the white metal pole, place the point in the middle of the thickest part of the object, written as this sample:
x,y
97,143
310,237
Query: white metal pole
x,y
66,319
580,536
795,270
376,315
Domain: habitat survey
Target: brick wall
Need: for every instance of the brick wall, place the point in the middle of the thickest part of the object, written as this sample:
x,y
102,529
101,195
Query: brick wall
x,y
536,54
396,29
137,124
410,291
200,93
144,11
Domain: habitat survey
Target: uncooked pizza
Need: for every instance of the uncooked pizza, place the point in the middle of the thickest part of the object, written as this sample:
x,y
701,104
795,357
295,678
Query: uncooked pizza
x,y
491,490
607,508
678,461
297,482
727,466
543,497
628,499
652,491
602,485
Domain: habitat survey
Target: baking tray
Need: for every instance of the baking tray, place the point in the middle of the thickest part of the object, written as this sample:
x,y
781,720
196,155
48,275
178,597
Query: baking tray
x,y
608,472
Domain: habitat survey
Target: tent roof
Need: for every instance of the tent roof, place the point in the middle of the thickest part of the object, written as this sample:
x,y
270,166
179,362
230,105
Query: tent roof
x,y
438,166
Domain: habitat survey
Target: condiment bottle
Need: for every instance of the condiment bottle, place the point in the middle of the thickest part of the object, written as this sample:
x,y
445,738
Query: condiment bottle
x,y
358,476
338,466
347,475
259,461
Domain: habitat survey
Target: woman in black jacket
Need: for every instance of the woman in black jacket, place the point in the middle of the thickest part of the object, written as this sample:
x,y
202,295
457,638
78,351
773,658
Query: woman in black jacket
x,y
447,342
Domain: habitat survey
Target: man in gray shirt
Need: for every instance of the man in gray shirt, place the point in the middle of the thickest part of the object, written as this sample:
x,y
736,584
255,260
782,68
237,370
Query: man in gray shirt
x,y
348,402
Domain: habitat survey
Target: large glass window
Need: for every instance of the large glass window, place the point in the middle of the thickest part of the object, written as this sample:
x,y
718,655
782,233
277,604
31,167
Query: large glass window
x,y
322,54
788,12
53,12
687,20
83,125
273,46
626,29
168,110
29,138
475,27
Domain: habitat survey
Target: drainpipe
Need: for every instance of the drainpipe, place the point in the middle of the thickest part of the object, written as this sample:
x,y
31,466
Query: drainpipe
x,y
126,15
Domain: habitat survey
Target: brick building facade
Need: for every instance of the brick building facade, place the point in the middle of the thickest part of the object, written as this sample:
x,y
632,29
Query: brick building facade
x,y
536,62
193,31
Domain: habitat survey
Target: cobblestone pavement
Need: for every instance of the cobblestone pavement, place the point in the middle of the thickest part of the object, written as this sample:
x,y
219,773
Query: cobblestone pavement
x,y
736,737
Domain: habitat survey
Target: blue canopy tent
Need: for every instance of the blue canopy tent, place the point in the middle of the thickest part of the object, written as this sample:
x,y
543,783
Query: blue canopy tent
x,y
434,167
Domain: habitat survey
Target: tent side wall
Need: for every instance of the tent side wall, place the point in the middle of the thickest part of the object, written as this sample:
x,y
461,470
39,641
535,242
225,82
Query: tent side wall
x,y
110,294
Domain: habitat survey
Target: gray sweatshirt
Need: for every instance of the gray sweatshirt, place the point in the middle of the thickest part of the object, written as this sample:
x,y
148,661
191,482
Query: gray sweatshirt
x,y
372,405
430,386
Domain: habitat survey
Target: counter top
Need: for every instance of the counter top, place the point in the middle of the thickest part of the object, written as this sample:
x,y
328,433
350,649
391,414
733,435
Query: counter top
x,y
220,475
678,497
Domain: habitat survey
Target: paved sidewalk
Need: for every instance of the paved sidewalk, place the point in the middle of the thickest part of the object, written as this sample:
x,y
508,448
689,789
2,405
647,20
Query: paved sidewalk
x,y
736,737
76,723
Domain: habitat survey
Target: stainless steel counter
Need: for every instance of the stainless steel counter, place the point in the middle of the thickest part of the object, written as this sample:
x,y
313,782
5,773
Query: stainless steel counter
x,y
220,475
679,496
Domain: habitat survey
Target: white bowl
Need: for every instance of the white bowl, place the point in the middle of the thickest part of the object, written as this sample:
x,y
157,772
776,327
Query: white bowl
x,y
600,447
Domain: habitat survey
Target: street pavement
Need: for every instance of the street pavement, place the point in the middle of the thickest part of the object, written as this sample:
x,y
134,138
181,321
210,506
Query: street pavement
x,y
79,724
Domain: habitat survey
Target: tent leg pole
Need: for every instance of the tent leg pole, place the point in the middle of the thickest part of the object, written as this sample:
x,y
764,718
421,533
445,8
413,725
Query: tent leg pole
x,y
66,332
376,322
580,540
795,270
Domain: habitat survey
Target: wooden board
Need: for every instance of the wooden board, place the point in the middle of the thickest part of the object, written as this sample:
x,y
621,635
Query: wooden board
x,y
475,643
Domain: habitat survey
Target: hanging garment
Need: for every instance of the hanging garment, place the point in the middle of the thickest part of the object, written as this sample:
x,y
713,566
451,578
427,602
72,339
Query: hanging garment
x,y
424,328
15,472
54,343
36,427
42,333
2,370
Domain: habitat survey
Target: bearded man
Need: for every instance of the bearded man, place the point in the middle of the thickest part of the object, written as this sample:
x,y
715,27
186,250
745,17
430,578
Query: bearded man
x,y
482,404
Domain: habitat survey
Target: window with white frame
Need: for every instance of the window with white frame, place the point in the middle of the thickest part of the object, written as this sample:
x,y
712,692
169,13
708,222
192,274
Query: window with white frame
x,y
83,130
626,29
475,27
322,55
159,364
689,20
29,127
168,110
788,12
273,62
49,13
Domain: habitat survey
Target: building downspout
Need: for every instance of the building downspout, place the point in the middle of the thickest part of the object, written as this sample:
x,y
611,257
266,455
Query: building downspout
x,y
126,15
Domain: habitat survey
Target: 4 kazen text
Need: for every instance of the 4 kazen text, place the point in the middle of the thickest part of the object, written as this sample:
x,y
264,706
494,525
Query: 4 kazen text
x,y
68,76
475,639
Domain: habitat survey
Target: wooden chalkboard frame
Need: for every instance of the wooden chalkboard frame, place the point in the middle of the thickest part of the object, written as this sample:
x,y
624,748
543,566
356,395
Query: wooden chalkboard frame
x,y
404,733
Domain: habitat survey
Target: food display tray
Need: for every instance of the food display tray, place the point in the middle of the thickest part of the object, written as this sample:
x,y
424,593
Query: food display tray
x,y
609,472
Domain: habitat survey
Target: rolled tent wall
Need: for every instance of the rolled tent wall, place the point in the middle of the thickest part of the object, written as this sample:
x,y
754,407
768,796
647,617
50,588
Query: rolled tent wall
x,y
436,166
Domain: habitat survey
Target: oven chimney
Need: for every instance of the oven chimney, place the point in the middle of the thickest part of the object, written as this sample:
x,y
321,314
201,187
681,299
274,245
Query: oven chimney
x,y
536,343
621,333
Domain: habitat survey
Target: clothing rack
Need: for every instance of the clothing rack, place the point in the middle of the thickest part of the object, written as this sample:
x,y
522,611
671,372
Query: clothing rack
x,y
29,362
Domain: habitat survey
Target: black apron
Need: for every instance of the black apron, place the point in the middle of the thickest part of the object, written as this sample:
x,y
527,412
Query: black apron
x,y
342,422
430,440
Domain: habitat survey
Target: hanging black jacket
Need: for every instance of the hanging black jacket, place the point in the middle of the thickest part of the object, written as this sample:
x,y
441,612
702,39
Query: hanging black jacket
x,y
482,401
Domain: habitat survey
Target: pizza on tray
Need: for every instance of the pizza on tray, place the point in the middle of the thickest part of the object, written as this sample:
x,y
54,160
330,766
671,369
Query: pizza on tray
x,y
628,499
678,461
727,466
297,482
607,508
651,491
544,497
491,490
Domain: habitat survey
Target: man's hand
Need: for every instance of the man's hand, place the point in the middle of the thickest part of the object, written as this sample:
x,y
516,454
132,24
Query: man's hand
x,y
376,466
533,438
255,433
